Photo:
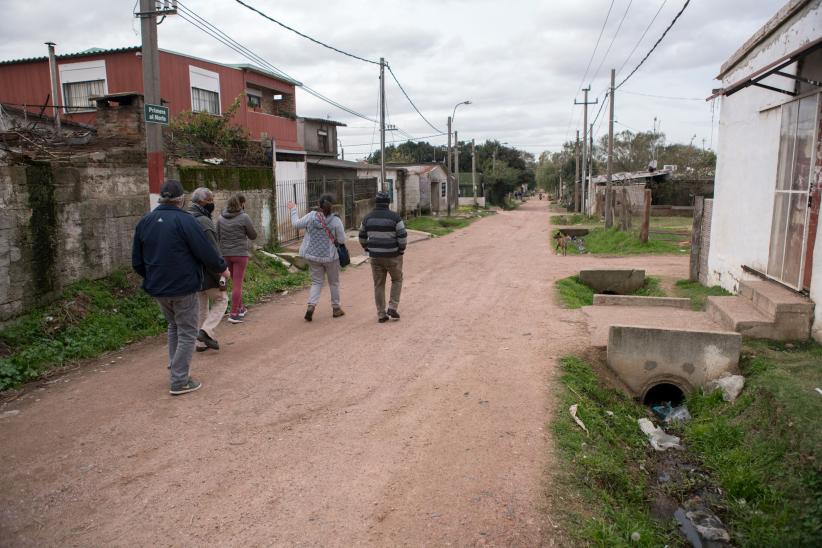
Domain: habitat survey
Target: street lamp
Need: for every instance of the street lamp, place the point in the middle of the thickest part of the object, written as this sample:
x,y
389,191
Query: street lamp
x,y
450,122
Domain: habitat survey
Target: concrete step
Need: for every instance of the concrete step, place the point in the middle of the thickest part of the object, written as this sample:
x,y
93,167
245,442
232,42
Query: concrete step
x,y
738,314
772,299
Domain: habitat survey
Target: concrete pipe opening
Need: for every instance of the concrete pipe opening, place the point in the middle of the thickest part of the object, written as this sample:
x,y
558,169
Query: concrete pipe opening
x,y
662,393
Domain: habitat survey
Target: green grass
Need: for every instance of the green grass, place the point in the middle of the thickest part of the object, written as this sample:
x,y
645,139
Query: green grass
x,y
606,467
575,294
697,292
765,450
602,241
440,226
93,317
574,219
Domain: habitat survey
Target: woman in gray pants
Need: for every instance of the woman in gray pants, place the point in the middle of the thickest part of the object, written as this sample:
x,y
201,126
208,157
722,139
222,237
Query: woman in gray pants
x,y
323,230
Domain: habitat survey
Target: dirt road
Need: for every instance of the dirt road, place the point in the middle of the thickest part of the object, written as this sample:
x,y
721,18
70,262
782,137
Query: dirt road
x,y
426,431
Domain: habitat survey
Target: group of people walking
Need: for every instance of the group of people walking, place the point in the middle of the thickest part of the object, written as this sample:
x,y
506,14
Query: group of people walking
x,y
185,260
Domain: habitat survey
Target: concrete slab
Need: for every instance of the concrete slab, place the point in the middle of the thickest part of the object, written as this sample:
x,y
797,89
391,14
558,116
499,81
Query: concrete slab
x,y
635,300
619,281
601,318
644,357
358,260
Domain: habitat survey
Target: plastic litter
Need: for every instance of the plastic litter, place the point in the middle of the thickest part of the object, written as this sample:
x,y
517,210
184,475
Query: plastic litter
x,y
657,436
573,410
731,387
670,414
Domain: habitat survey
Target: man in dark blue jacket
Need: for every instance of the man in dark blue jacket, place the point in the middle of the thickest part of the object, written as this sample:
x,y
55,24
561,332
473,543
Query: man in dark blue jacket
x,y
169,252
384,237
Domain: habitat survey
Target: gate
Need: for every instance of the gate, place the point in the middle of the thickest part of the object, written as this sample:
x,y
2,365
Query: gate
x,y
345,194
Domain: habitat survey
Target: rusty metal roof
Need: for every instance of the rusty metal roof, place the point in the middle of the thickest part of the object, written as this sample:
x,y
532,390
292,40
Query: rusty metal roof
x,y
84,53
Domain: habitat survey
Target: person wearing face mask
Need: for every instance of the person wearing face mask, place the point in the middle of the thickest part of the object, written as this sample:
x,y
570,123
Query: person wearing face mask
x,y
212,296
234,230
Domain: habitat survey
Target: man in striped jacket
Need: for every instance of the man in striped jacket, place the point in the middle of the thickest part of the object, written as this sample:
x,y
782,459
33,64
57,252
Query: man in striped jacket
x,y
383,238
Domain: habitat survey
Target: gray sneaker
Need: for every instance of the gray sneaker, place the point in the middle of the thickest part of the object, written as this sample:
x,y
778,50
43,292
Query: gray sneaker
x,y
393,313
189,386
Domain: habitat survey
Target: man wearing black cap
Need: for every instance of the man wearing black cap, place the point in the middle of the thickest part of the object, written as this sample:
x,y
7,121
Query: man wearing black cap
x,y
383,237
169,252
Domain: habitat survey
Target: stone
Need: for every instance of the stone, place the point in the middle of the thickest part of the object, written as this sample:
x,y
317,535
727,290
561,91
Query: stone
x,y
295,259
619,281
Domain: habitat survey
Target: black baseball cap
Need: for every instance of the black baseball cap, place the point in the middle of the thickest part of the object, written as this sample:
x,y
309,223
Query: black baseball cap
x,y
383,198
171,189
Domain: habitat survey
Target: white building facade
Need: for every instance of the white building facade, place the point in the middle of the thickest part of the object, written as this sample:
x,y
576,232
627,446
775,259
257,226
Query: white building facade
x,y
769,158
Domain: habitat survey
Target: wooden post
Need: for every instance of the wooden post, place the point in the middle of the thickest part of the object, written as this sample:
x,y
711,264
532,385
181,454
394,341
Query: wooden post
x,y
696,237
646,218
624,210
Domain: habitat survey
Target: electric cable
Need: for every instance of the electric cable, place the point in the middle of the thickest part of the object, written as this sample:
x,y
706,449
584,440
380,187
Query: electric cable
x,y
613,39
641,38
670,26
307,37
394,76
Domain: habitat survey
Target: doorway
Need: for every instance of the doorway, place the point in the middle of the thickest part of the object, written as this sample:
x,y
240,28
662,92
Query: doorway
x,y
792,216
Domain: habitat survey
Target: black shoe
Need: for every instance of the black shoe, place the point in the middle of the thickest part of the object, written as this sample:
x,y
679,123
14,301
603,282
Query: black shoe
x,y
383,319
189,386
235,319
309,313
203,337
393,313
198,349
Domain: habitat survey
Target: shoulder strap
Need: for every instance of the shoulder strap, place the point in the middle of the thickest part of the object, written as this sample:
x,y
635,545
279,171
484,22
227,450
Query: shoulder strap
x,y
321,218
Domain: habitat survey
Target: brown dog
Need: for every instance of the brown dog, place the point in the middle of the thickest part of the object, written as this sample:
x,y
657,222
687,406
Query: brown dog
x,y
561,243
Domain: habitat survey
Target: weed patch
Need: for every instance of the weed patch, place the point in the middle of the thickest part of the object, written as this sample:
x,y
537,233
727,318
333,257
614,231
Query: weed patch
x,y
93,317
612,241
440,226
575,294
764,450
607,467
697,292
574,219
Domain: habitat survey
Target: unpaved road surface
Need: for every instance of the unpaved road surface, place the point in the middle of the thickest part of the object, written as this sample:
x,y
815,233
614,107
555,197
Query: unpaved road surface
x,y
426,431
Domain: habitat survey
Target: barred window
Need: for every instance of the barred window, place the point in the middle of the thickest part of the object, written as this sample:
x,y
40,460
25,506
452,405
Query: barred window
x,y
76,95
205,101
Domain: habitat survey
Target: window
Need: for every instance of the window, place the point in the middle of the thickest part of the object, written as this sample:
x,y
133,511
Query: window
x,y
205,101
205,90
77,95
254,101
442,189
322,140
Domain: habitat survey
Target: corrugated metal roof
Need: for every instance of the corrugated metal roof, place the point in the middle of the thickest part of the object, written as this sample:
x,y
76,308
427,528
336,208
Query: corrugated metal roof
x,y
84,53
100,51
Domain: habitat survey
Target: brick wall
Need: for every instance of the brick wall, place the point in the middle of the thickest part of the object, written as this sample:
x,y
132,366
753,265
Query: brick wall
x,y
66,221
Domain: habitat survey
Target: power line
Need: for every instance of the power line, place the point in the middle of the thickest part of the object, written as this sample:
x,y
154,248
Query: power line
x,y
307,37
656,44
392,141
641,38
607,51
664,96
213,31
394,76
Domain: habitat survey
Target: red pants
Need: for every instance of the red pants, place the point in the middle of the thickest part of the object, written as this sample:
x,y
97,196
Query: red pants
x,y
236,265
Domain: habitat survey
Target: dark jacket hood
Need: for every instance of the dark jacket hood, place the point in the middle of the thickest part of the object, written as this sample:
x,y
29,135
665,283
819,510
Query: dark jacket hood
x,y
231,214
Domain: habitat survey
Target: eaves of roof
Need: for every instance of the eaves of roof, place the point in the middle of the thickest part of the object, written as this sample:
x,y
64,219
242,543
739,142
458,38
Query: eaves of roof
x,y
85,53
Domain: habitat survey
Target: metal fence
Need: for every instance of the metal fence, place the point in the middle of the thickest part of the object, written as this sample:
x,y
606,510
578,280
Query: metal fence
x,y
347,194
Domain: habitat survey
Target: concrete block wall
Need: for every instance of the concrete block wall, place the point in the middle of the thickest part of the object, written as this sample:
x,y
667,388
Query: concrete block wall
x,y
66,221
707,214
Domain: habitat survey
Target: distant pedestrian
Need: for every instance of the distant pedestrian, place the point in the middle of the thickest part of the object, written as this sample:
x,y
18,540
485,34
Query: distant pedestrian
x,y
170,252
323,230
234,229
212,296
384,238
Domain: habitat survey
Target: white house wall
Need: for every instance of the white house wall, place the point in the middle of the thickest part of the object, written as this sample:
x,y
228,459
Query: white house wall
x,y
747,158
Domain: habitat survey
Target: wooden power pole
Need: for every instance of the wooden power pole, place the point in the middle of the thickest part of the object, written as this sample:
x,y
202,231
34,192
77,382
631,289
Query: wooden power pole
x,y
609,213
474,170
577,185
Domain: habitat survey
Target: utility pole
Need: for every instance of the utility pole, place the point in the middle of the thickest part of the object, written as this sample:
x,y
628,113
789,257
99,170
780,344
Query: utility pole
x,y
585,104
457,169
577,185
592,189
609,218
55,85
382,124
474,170
448,177
149,9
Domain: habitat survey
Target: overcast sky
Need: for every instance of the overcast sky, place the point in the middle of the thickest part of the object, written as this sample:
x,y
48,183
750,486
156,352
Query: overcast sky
x,y
520,62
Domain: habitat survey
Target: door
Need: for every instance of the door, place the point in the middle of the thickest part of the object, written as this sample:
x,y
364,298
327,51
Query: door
x,y
791,219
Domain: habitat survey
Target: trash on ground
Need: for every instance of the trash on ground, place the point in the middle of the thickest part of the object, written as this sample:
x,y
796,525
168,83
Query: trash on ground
x,y
731,387
701,526
214,161
573,410
819,390
670,414
657,436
